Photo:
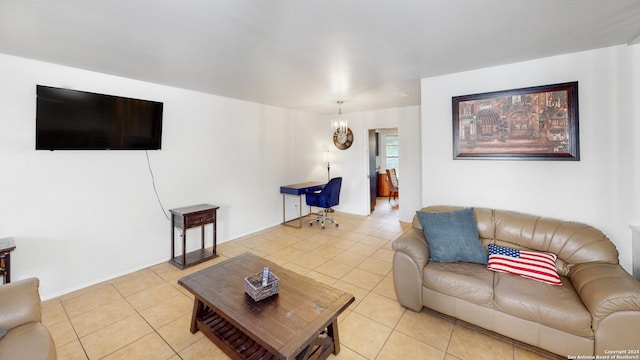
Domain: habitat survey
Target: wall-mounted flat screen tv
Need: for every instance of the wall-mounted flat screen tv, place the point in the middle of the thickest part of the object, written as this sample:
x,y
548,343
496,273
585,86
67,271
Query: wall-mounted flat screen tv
x,y
76,120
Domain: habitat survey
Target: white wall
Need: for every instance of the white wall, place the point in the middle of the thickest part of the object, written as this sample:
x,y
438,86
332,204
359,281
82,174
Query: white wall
x,y
601,189
80,217
631,134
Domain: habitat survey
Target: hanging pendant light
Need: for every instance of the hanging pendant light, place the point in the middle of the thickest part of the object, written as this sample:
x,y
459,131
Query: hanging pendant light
x,y
342,135
340,125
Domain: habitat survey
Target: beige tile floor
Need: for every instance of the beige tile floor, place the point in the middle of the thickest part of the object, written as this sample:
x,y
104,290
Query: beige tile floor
x,y
146,314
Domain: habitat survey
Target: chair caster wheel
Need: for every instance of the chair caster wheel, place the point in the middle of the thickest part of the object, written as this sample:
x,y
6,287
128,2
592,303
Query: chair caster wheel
x,y
322,227
337,225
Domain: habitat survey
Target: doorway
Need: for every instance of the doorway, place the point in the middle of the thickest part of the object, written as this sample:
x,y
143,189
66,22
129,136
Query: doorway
x,y
383,154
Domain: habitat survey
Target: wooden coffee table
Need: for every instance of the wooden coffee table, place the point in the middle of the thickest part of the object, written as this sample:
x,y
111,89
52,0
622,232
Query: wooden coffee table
x,y
300,322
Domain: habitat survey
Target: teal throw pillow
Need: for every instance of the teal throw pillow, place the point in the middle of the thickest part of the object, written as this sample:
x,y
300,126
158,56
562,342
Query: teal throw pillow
x,y
452,236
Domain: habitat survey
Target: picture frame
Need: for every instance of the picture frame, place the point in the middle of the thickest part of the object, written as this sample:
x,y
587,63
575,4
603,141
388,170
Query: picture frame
x,y
533,123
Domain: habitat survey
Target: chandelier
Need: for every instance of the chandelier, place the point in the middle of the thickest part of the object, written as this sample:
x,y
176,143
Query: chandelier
x,y
340,126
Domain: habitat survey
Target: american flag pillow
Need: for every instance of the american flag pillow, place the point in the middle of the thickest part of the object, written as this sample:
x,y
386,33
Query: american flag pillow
x,y
539,266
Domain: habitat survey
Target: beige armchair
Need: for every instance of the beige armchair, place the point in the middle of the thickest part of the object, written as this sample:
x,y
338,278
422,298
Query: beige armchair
x,y
26,337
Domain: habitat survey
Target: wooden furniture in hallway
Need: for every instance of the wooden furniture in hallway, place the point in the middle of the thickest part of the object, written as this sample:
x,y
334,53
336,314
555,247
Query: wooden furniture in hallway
x,y
383,185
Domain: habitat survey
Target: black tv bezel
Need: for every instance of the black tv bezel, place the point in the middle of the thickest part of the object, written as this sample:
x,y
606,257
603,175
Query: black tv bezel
x,y
153,142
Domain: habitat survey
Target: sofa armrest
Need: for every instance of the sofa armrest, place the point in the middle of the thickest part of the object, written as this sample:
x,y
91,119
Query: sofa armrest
x,y
20,303
409,259
414,245
605,289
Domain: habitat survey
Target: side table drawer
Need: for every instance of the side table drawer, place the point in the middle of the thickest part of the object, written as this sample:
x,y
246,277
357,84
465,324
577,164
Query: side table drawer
x,y
198,219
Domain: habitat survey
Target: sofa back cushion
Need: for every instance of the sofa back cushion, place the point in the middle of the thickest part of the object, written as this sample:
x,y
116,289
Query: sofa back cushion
x,y
484,218
452,236
574,243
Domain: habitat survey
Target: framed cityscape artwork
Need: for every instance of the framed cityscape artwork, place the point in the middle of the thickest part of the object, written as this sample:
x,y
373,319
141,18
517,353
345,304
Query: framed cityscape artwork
x,y
535,123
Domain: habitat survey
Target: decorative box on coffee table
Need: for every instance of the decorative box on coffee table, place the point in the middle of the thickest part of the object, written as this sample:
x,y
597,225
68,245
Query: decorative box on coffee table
x,y
254,288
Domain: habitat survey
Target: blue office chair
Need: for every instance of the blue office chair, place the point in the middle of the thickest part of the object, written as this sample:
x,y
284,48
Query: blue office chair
x,y
326,198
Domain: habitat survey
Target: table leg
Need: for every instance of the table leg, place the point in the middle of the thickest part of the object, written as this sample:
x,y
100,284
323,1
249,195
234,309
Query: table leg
x,y
7,274
332,331
215,235
202,236
198,306
5,267
173,235
300,208
323,345
184,246
284,218
287,223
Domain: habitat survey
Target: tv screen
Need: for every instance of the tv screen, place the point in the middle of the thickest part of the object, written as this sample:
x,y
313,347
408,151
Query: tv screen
x,y
77,120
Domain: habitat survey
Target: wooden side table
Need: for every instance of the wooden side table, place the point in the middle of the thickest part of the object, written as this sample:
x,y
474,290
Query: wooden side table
x,y
7,245
188,217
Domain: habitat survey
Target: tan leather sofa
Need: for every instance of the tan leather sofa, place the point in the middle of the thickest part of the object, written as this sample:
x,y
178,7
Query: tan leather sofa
x,y
26,337
595,312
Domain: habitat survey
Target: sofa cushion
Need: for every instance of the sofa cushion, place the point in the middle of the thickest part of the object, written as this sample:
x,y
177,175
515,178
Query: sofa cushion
x,y
574,243
467,281
528,264
452,236
558,307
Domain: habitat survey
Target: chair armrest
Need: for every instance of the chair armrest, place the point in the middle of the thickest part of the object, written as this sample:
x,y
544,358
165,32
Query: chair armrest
x,y
20,303
413,243
605,289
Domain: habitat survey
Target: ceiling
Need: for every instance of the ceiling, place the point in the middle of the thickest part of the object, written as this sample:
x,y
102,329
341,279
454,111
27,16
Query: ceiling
x,y
307,54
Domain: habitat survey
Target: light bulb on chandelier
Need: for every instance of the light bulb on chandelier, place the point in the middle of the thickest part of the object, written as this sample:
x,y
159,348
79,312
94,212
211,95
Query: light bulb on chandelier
x,y
342,135
340,126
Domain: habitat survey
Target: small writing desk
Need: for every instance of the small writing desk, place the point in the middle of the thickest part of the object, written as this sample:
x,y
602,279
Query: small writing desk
x,y
298,190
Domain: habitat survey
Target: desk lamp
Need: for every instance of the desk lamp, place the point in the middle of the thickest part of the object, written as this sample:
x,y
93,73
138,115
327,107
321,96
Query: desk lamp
x,y
325,158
